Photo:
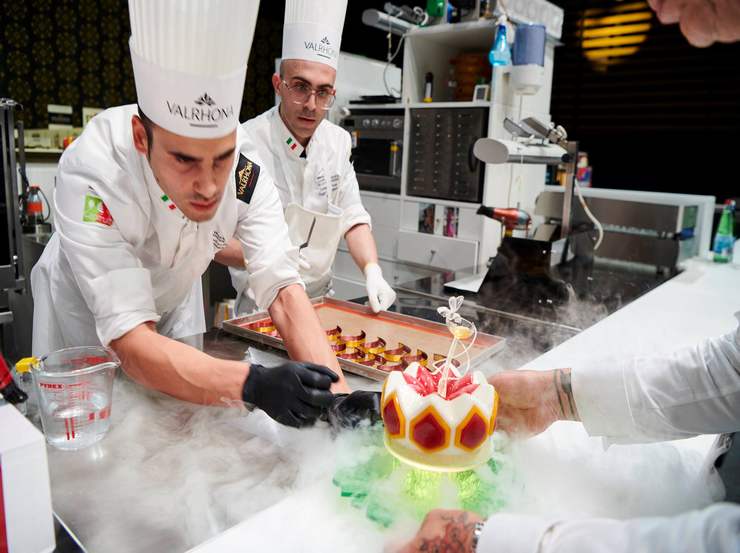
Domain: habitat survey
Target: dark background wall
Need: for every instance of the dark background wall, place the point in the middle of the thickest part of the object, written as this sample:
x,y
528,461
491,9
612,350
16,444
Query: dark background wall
x,y
664,118
76,52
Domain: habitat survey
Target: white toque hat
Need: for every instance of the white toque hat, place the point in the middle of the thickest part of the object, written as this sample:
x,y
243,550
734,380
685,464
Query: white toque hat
x,y
313,30
190,61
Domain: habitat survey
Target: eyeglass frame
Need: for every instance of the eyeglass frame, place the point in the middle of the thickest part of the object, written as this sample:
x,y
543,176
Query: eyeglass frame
x,y
312,92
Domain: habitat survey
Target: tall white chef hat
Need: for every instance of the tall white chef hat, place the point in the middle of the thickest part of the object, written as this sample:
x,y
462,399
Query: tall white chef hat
x,y
190,60
313,30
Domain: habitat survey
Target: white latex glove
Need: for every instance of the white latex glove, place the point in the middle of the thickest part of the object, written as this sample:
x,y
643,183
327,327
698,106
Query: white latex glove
x,y
379,293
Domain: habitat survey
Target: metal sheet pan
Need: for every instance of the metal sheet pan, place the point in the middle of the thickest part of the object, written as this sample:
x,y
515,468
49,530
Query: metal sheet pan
x,y
416,333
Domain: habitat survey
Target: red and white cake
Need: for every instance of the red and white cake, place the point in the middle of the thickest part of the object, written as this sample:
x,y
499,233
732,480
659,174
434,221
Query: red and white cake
x,y
449,432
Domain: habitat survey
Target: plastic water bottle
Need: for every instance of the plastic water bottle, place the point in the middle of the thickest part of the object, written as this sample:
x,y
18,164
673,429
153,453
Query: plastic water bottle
x,y
724,238
500,54
435,8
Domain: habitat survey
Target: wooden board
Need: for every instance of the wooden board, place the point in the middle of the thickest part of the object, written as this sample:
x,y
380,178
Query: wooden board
x,y
430,337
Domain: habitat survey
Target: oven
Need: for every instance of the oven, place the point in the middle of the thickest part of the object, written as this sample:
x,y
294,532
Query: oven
x,y
377,148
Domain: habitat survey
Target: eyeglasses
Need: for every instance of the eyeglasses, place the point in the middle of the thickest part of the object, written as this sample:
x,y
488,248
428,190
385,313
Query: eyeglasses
x,y
300,93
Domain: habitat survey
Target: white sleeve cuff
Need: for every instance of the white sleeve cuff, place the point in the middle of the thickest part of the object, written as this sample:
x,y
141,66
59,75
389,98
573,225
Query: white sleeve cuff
x,y
239,279
355,215
121,300
510,533
115,327
266,282
601,399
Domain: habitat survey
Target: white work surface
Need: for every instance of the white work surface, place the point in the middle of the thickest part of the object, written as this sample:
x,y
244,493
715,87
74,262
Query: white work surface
x,y
564,472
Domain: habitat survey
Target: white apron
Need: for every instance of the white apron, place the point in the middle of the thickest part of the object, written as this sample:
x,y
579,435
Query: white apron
x,y
324,240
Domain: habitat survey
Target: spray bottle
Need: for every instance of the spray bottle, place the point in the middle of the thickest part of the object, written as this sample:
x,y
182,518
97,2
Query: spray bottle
x,y
500,54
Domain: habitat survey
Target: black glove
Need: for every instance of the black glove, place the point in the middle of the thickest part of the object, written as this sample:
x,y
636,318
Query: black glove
x,y
349,410
293,394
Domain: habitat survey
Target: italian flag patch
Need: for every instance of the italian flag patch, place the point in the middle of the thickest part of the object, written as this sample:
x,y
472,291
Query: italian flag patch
x,y
95,211
292,143
166,199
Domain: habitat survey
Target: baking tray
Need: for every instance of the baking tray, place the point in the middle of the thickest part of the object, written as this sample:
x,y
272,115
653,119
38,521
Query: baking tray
x,y
394,328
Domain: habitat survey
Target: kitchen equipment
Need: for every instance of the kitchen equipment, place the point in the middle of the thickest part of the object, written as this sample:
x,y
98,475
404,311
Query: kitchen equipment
x,y
11,252
512,218
391,335
74,387
13,284
377,147
441,160
657,230
528,57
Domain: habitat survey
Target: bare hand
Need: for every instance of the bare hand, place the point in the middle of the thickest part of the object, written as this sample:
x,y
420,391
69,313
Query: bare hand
x,y
702,21
444,532
530,401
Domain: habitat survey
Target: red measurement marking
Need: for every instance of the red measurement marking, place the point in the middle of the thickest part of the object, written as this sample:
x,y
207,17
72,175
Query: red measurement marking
x,y
69,426
105,413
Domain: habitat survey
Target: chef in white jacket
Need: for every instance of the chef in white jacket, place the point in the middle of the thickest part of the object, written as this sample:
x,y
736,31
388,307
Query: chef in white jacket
x,y
694,391
309,157
145,198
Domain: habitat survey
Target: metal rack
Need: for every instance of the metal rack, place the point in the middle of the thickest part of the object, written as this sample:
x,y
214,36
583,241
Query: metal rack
x,y
12,278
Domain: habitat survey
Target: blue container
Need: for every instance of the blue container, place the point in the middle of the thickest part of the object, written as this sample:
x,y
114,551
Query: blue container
x,y
529,45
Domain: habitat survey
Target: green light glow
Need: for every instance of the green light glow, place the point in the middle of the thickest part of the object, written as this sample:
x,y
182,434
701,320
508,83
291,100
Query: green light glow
x,y
388,489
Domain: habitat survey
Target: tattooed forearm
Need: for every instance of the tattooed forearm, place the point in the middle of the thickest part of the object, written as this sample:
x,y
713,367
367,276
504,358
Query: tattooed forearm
x,y
564,391
457,538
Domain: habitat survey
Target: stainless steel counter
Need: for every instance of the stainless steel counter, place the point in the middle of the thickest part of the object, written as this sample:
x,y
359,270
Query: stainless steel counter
x,y
170,475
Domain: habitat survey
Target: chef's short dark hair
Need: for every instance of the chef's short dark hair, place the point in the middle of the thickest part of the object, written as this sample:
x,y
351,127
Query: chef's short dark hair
x,y
148,127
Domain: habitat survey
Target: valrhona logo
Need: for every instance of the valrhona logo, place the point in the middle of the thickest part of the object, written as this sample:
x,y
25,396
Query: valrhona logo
x,y
205,100
322,48
204,112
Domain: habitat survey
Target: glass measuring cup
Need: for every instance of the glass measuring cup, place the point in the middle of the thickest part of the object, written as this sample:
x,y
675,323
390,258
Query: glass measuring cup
x,y
74,387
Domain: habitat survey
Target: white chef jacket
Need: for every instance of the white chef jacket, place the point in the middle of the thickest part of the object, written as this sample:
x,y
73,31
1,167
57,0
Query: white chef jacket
x,y
331,174
328,151
140,258
693,391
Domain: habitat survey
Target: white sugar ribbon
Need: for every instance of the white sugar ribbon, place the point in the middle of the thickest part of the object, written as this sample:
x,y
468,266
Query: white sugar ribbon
x,y
454,320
